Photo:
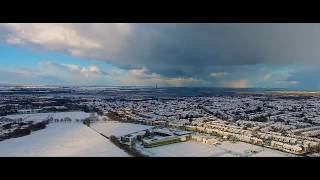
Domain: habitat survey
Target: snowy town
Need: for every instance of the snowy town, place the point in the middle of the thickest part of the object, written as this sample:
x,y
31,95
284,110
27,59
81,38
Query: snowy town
x,y
143,122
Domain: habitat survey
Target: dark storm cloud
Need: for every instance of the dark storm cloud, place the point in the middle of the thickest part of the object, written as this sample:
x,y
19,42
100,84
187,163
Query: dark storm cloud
x,y
196,49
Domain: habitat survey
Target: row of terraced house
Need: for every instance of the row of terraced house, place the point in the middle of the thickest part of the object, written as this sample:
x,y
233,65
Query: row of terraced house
x,y
291,143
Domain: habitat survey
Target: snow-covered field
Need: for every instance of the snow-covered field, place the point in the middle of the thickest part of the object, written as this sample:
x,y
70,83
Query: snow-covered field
x,y
240,148
184,149
271,153
58,115
117,128
61,139
76,139
225,149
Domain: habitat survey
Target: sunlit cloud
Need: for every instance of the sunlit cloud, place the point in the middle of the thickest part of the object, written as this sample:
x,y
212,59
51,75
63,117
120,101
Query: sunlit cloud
x,y
243,83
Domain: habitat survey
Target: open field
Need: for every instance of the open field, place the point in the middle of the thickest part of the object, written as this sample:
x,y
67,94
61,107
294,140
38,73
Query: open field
x,y
61,139
225,149
117,128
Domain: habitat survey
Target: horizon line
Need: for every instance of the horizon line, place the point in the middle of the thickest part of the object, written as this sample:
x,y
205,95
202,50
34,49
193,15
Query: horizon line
x,y
154,86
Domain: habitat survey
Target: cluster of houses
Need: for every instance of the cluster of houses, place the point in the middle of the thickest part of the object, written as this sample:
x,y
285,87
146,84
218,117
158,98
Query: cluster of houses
x,y
259,133
287,112
289,143
204,139
310,131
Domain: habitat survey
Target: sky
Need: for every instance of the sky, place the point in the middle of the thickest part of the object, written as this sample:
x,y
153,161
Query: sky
x,y
254,55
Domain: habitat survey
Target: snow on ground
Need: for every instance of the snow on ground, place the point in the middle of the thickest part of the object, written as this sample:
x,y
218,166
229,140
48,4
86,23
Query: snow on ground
x,y
184,149
225,149
250,150
75,139
58,115
240,148
271,153
61,139
117,128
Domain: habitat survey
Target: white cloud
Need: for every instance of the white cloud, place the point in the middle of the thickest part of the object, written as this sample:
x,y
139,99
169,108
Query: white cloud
x,y
91,70
86,71
14,41
52,36
287,83
144,77
95,40
219,74
142,73
267,77
294,83
279,79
